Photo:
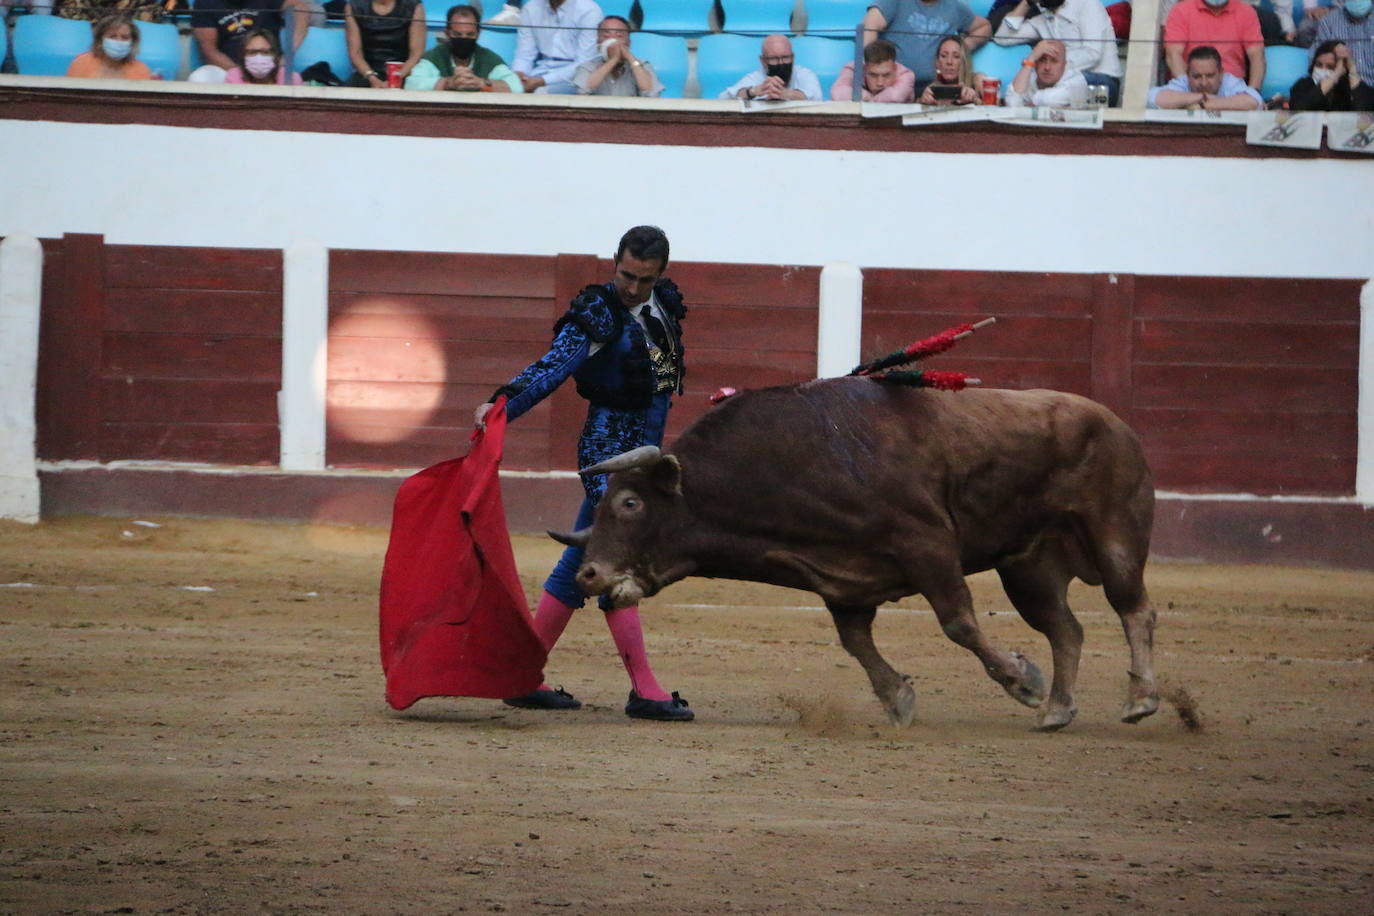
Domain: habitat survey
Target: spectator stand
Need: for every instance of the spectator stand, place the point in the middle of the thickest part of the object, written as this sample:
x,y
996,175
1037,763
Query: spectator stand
x,y
1283,66
46,45
825,56
328,44
670,58
834,18
757,17
722,59
677,17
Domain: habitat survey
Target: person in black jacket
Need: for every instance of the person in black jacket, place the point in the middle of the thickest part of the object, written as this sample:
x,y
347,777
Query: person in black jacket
x,y
1332,84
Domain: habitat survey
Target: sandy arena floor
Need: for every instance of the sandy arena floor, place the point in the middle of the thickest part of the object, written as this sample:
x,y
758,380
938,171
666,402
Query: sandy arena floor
x,y
191,720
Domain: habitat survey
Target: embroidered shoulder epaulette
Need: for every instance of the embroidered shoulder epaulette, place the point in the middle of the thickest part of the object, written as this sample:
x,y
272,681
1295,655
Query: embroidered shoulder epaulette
x,y
593,312
670,298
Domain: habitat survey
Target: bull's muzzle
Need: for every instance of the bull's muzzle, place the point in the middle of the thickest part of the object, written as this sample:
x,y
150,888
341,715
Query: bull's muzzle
x,y
621,588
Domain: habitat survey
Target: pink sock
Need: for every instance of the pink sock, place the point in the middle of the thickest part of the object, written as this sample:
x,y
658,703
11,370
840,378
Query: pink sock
x,y
550,620
629,642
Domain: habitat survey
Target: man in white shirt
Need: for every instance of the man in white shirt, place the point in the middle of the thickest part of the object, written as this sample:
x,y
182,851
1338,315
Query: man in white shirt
x,y
1082,25
1206,86
779,78
1045,80
555,36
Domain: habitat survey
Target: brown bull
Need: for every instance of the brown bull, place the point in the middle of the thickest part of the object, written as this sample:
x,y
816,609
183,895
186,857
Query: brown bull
x,y
865,492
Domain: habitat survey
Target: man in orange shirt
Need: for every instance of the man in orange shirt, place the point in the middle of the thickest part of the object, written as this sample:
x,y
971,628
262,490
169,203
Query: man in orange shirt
x,y
1230,26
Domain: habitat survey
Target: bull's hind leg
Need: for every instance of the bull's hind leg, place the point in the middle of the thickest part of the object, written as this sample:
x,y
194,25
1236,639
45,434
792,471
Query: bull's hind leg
x,y
855,626
1123,579
953,606
1039,590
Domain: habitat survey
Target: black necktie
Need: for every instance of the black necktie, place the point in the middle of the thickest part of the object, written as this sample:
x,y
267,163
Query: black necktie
x,y
656,329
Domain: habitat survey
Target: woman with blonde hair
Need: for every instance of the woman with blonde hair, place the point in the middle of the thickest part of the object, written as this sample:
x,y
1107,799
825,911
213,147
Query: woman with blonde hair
x,y
955,82
113,54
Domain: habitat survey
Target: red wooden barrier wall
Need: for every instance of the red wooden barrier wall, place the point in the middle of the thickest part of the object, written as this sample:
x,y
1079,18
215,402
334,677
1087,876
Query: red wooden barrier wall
x,y
174,353
159,352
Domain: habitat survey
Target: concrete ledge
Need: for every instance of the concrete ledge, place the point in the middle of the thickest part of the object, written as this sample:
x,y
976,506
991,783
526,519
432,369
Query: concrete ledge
x,y
1333,533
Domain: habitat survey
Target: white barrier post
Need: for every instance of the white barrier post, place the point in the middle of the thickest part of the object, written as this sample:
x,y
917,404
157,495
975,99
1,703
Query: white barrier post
x,y
304,355
1364,447
21,287
838,340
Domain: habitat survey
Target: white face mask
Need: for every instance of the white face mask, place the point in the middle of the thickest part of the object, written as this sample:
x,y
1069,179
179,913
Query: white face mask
x,y
1321,74
116,49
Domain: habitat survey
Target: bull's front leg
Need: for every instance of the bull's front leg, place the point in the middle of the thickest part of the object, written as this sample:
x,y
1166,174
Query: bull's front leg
x,y
855,626
949,597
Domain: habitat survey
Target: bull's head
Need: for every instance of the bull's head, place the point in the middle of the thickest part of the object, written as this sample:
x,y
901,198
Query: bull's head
x,y
632,548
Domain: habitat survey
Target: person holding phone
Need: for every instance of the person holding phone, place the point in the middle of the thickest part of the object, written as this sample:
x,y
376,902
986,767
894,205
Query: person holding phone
x,y
885,80
955,82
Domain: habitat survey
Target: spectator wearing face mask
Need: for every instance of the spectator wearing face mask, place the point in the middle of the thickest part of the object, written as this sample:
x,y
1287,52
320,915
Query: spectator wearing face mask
x,y
460,64
616,71
1045,79
1332,83
1205,86
262,62
779,78
1084,28
113,54
1353,26
1229,26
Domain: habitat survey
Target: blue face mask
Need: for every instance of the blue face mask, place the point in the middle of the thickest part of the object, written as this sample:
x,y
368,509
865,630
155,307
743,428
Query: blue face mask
x,y
1214,4
1357,8
116,49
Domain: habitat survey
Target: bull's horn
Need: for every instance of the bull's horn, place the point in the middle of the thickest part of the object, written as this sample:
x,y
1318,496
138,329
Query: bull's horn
x,y
572,539
634,458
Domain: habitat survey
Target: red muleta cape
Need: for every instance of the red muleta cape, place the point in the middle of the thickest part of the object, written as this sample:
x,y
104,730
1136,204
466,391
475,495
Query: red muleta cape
x,y
454,621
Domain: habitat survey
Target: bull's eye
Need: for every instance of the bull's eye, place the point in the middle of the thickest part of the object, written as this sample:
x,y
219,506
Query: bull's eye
x,y
630,503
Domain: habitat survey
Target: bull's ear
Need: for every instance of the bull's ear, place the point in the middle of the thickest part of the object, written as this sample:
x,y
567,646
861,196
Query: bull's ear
x,y
667,475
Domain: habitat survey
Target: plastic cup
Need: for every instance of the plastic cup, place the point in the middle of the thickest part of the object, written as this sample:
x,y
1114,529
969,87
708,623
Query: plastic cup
x,y
992,87
393,73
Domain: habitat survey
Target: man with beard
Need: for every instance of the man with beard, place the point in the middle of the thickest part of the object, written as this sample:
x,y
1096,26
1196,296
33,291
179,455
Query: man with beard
x,y
779,78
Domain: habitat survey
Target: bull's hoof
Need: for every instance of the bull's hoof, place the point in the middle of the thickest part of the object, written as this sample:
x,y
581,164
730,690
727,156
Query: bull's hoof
x,y
1137,709
1028,686
1056,717
902,710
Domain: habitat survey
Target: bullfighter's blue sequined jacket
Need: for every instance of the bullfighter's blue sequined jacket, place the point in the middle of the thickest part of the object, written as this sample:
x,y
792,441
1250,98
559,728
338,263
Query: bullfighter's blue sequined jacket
x,y
627,400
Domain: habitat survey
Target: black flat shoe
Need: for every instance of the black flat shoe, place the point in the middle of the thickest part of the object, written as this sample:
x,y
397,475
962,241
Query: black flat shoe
x,y
674,710
545,699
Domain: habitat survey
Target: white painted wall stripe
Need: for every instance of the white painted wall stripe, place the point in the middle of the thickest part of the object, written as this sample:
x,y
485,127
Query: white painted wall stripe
x,y
304,355
840,324
1364,455
21,284
732,205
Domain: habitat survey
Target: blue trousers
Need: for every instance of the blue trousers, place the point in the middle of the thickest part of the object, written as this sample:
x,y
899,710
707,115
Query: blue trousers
x,y
562,582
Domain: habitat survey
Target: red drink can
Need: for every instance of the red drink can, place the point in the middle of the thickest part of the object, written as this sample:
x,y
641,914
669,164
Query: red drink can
x,y
991,87
393,73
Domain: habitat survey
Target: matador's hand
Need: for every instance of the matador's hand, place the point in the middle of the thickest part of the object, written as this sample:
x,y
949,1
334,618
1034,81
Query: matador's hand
x,y
479,416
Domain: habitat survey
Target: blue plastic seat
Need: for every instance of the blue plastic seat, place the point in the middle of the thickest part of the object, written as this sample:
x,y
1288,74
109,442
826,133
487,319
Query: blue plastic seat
x,y
668,54
723,59
980,7
159,46
502,41
677,17
4,39
328,44
619,8
836,18
47,45
825,56
1004,63
757,17
1283,66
